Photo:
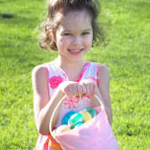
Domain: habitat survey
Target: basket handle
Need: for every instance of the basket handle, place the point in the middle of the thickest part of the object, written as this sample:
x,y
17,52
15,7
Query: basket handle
x,y
51,119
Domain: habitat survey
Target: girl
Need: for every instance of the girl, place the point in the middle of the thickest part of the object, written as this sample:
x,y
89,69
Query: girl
x,y
70,29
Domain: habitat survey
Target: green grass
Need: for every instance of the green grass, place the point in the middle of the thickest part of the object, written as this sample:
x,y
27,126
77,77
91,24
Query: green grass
x,y
126,53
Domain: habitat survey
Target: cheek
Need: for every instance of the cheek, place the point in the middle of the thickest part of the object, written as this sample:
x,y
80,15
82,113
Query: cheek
x,y
89,41
63,42
67,41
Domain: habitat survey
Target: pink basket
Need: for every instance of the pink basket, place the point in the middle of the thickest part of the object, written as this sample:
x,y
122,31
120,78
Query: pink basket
x,y
96,134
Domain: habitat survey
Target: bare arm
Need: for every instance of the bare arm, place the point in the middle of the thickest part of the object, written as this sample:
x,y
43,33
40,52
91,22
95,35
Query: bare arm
x,y
43,106
103,86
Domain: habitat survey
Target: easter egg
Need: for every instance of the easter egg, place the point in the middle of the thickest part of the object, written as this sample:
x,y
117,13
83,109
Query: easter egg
x,y
92,111
86,115
78,124
74,119
67,116
61,129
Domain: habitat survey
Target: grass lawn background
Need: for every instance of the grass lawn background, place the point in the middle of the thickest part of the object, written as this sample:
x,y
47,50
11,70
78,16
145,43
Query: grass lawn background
x,y
126,52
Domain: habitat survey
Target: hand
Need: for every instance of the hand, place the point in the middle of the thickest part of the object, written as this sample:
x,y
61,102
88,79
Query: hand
x,y
89,87
71,89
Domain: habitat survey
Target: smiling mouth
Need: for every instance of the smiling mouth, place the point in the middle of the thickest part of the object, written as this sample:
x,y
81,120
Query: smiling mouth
x,y
75,51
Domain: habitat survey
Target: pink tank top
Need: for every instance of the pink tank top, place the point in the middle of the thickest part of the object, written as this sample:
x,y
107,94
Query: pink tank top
x,y
55,76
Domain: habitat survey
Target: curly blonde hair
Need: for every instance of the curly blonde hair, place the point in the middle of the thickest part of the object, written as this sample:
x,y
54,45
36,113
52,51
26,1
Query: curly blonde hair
x,y
50,25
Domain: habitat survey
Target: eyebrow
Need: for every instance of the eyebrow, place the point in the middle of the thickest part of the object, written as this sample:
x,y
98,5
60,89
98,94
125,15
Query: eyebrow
x,y
87,30
67,30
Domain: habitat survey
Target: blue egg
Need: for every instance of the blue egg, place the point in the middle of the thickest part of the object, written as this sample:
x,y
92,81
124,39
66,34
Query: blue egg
x,y
67,117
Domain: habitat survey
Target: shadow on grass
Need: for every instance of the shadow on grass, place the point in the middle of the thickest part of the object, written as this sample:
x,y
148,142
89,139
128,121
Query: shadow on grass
x,y
7,15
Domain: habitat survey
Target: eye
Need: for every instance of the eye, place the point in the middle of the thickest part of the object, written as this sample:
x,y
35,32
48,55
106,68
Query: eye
x,y
85,33
67,34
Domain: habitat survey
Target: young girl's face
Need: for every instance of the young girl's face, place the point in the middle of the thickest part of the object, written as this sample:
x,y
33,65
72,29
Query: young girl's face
x,y
74,35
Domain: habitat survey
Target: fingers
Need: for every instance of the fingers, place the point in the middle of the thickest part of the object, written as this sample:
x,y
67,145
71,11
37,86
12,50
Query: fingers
x,y
89,88
73,89
80,89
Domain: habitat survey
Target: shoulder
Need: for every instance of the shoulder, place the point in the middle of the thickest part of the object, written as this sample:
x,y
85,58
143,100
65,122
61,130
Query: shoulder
x,y
39,70
103,73
39,74
103,69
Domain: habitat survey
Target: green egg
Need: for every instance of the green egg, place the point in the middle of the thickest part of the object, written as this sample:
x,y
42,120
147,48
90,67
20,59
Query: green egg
x,y
78,124
75,119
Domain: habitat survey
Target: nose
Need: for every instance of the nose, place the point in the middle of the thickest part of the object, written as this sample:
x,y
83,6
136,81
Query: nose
x,y
77,41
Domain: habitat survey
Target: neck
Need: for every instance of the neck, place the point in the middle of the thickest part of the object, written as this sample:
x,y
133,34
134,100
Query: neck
x,y
71,69
71,64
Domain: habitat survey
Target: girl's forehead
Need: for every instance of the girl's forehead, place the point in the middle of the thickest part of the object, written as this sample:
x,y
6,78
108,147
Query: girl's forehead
x,y
83,14
75,19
